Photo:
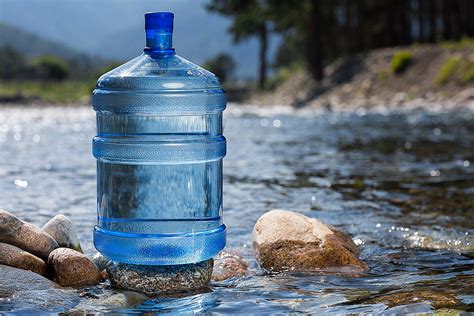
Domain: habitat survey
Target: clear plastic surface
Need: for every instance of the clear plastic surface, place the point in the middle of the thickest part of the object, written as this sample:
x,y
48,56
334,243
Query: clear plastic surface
x,y
159,150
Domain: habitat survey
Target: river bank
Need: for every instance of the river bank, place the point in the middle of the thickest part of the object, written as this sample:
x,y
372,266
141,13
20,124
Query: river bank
x,y
424,76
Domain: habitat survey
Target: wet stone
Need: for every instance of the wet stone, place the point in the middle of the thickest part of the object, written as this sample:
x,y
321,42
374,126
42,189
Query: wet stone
x,y
437,299
23,235
155,280
284,240
228,265
62,230
72,268
29,293
100,260
18,258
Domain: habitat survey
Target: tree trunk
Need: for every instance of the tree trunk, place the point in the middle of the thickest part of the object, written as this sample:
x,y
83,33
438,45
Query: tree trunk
x,y
313,49
433,30
262,76
421,21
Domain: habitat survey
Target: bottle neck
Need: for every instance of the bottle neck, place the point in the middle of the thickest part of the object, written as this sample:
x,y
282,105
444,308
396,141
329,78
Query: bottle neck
x,y
159,41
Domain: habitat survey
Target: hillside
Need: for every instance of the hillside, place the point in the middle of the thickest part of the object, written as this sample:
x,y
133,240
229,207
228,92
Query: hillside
x,y
441,74
33,45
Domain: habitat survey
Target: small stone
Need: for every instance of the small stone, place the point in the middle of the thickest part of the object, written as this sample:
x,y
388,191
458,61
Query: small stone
x,y
284,240
72,268
228,265
62,230
23,235
153,280
125,299
100,261
18,258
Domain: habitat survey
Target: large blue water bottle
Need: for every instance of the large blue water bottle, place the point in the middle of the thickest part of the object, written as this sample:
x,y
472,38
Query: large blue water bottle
x,y
159,150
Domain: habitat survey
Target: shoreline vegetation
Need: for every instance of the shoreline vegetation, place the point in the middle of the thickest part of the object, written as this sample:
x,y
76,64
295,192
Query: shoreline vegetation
x,y
419,75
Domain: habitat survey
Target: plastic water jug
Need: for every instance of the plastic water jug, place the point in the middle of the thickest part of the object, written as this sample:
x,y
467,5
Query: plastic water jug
x,y
159,150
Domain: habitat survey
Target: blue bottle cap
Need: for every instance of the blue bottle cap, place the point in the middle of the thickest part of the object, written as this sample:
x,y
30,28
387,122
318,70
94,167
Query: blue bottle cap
x,y
162,21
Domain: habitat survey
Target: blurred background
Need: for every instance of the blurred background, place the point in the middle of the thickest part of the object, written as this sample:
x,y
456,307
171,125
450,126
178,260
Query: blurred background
x,y
334,51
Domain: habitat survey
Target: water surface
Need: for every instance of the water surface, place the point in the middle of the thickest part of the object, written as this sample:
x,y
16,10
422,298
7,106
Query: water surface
x,y
402,184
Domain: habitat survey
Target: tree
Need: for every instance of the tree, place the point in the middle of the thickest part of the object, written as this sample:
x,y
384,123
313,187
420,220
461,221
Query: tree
x,y
222,66
12,64
50,68
250,18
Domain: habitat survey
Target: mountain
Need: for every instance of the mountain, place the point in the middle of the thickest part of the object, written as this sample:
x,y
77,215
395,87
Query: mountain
x,y
113,29
33,45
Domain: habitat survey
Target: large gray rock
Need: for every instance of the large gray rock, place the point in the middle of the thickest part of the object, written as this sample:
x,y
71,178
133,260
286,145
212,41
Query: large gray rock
x,y
153,280
72,268
284,240
18,258
62,230
28,237
26,292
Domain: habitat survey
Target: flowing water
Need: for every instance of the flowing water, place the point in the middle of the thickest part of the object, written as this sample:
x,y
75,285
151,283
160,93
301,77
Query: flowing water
x,y
401,184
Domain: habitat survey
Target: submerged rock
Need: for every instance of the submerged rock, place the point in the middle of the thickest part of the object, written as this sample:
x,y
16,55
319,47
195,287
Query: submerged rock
x,y
435,298
72,268
125,299
153,280
62,230
29,293
18,258
23,235
284,240
228,265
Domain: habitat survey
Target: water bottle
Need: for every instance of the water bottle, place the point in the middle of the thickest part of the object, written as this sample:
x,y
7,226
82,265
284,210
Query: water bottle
x,y
159,150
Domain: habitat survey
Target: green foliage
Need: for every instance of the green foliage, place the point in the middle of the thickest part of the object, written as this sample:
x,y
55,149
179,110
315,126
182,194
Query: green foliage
x,y
222,66
465,42
54,92
282,74
468,72
12,63
248,16
448,69
400,61
50,67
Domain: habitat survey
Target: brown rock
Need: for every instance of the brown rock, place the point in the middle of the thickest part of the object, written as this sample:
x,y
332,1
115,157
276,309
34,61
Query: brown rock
x,y
62,230
72,268
284,240
437,299
18,258
228,265
28,237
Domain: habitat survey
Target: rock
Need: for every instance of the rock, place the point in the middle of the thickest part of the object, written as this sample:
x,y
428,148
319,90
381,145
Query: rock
x,y
125,299
153,280
28,237
72,268
437,299
62,230
18,258
28,293
100,261
227,266
284,240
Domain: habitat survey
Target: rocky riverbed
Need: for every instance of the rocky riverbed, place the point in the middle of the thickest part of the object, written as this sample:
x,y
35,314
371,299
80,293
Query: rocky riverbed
x,y
398,183
283,241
